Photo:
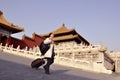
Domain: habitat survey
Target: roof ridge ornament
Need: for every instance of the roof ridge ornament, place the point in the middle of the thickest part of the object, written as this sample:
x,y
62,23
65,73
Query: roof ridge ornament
x,y
1,12
63,24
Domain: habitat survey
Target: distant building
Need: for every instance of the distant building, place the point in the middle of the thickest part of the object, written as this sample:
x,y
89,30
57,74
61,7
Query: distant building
x,y
6,29
62,34
34,41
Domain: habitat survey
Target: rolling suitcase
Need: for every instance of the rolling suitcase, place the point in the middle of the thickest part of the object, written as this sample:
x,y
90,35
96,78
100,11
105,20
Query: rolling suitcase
x,y
37,63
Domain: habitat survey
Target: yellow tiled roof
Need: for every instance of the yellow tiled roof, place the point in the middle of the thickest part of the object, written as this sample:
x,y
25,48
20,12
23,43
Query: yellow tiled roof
x,y
61,29
67,37
8,25
62,33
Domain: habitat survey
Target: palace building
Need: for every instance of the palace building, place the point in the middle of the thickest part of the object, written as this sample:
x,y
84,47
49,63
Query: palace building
x,y
6,29
34,41
62,34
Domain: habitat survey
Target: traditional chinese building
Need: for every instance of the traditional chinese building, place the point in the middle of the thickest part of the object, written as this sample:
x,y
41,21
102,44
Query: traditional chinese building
x,y
6,29
63,34
15,42
34,41
37,38
70,44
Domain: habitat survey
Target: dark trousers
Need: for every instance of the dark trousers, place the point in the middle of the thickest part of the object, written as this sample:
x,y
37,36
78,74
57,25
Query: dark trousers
x,y
47,65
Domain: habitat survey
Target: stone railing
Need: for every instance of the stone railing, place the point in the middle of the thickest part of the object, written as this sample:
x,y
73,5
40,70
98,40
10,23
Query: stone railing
x,y
90,58
31,53
116,57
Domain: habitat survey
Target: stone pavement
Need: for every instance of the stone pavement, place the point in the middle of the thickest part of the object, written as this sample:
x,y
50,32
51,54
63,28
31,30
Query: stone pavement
x,y
14,67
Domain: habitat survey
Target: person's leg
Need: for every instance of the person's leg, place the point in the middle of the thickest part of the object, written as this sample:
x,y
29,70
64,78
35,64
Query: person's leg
x,y
51,61
47,66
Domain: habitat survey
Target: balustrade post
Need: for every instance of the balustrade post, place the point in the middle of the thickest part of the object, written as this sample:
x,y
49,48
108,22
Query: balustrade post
x,y
0,46
26,51
73,56
6,45
58,57
18,49
11,48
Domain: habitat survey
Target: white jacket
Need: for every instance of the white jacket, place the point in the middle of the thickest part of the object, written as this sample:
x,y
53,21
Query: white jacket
x,y
49,53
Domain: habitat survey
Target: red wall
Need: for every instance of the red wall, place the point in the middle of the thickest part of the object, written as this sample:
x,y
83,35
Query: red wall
x,y
37,39
25,42
0,37
29,42
16,42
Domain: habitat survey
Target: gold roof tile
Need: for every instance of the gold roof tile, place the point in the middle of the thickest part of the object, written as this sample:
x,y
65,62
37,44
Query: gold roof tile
x,y
65,37
8,25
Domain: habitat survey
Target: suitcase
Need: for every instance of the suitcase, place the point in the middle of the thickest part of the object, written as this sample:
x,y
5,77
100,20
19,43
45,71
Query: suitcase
x,y
37,63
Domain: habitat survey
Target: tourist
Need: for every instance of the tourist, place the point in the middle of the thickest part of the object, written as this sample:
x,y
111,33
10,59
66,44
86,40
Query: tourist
x,y
49,55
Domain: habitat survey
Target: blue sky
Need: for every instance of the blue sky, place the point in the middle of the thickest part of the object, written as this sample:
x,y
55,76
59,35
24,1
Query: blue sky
x,y
98,21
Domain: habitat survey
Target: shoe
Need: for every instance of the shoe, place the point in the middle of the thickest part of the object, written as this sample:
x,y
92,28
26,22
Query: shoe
x,y
46,71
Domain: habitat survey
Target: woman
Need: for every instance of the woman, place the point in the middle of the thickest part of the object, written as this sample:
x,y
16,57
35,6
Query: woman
x,y
49,55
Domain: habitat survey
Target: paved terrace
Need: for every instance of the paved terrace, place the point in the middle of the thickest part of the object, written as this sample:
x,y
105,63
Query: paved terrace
x,y
18,68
